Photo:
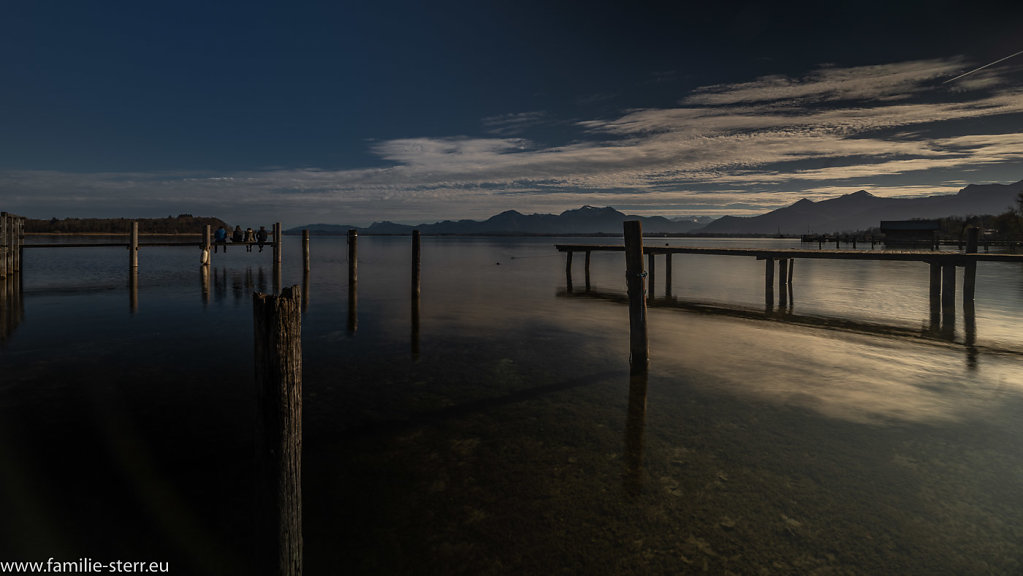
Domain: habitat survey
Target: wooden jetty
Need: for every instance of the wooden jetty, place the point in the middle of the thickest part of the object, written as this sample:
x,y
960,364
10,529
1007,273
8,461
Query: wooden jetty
x,y
942,264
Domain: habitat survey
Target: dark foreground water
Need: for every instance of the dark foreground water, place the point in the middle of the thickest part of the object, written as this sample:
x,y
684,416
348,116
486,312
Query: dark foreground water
x,y
507,436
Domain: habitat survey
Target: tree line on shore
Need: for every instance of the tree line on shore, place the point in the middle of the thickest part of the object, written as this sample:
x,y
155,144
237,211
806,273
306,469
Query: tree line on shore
x,y
180,224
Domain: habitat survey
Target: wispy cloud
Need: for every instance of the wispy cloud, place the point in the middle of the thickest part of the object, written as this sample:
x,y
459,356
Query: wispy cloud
x,y
757,145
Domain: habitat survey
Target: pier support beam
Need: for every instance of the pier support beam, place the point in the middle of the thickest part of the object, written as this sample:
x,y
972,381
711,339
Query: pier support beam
x,y
587,267
970,269
639,359
568,271
5,246
783,282
667,275
769,283
651,285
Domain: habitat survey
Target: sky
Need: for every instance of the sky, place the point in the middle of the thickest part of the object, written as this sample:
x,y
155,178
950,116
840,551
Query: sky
x,y
351,112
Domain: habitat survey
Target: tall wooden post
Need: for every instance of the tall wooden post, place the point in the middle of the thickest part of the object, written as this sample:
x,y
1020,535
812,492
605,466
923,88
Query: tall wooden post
x,y
305,250
639,358
353,280
651,285
416,264
133,246
783,281
667,274
416,290
568,271
207,241
278,243
970,270
18,235
277,323
587,267
4,244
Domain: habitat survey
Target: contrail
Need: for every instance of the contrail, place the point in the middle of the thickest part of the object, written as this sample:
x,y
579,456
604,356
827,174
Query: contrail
x,y
983,67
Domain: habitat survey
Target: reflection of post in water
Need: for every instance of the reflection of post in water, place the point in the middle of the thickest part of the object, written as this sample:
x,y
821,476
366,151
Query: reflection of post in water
x,y
353,280
133,290
204,283
970,333
11,306
634,426
568,271
277,323
416,291
305,291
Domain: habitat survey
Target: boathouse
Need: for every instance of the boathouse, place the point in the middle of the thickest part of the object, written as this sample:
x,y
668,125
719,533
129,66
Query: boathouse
x,y
910,233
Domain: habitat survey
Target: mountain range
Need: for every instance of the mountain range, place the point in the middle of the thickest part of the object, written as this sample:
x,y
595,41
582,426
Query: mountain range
x,y
850,212
585,220
862,210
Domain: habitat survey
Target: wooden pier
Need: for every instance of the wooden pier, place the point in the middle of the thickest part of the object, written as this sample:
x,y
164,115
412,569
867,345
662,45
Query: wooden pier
x,y
942,265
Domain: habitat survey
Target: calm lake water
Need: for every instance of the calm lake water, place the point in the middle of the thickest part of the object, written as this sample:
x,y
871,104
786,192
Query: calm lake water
x,y
850,432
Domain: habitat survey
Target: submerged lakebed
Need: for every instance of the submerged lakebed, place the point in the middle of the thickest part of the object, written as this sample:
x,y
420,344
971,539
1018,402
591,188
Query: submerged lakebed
x,y
507,435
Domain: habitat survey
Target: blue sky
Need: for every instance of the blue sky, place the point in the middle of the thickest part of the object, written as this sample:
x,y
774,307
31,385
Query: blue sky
x,y
353,112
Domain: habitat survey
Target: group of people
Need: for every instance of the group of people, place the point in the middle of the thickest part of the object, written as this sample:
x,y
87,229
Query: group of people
x,y
248,237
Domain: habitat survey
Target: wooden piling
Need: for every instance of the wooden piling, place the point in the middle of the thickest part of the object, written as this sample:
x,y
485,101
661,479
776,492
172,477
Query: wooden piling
x,y
667,275
651,285
133,246
416,264
416,291
568,271
970,269
783,281
769,283
792,266
4,246
587,270
948,286
277,324
305,250
639,357
353,280
278,244
207,241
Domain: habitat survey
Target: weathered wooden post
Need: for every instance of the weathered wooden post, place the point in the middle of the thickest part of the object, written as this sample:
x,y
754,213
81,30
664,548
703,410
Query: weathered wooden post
x,y
277,324
416,290
207,241
587,267
278,244
568,271
639,357
783,281
305,250
667,274
651,285
769,283
133,246
19,236
353,280
4,244
970,269
792,266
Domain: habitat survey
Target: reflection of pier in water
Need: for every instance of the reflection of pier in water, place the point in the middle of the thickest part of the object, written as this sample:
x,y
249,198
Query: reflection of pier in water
x,y
940,329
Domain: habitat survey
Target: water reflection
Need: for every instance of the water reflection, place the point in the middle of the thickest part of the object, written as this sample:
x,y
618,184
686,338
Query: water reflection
x,y
634,427
12,309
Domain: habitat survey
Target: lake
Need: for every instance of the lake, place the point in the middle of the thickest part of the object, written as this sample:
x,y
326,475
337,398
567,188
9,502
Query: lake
x,y
846,433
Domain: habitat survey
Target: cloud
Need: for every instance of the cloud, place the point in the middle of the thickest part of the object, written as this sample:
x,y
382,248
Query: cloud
x,y
759,144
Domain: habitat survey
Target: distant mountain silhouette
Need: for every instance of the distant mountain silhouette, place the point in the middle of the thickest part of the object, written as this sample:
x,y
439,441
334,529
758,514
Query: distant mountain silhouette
x,y
862,210
584,220
857,211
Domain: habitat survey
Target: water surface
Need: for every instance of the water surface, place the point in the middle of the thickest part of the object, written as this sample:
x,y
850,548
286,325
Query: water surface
x,y
506,435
